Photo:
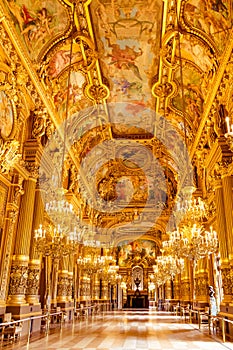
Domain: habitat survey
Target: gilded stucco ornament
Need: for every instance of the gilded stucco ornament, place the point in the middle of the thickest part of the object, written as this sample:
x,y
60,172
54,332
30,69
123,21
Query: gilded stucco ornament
x,y
18,280
201,286
32,168
185,288
33,281
227,281
98,93
9,155
163,89
39,123
63,286
223,165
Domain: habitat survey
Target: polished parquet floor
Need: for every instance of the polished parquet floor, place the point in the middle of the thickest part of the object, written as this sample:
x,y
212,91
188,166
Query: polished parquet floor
x,y
128,330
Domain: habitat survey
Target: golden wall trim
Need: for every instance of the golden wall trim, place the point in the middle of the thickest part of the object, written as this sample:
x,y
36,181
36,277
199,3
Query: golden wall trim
x,y
212,92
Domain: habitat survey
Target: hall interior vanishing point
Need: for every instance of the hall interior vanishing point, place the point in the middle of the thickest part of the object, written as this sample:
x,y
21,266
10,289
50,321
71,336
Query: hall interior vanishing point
x,y
116,191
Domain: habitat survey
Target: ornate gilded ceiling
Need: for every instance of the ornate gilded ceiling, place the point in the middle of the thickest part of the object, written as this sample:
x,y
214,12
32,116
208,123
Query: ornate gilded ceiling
x,y
141,79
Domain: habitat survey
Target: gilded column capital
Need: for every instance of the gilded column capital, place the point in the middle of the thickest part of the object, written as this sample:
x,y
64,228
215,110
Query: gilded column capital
x,y
224,165
33,169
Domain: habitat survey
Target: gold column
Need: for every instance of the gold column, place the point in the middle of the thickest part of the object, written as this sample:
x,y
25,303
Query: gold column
x,y
104,290
201,283
53,282
96,287
228,206
9,229
20,260
34,266
84,287
176,287
63,281
221,228
70,278
221,224
186,285
168,290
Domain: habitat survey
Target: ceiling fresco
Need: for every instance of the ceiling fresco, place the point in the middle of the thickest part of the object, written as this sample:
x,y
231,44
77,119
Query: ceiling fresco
x,y
211,17
39,23
128,41
134,86
131,252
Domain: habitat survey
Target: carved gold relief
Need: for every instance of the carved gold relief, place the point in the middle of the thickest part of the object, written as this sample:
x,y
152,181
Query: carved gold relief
x,y
18,280
201,286
9,155
33,281
98,93
227,280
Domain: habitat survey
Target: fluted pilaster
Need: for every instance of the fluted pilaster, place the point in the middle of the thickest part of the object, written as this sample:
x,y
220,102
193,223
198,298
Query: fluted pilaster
x,y
228,209
34,267
96,288
222,237
19,268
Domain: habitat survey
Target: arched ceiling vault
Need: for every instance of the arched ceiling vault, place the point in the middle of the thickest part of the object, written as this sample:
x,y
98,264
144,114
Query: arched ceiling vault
x,y
143,76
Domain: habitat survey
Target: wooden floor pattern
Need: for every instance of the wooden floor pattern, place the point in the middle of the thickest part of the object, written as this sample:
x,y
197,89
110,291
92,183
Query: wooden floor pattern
x,y
128,330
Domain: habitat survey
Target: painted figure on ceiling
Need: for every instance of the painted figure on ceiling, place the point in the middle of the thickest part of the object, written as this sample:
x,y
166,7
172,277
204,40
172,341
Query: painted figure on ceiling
x,y
125,58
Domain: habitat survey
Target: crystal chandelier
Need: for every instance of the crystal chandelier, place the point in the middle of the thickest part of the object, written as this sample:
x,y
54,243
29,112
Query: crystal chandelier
x,y
192,242
193,209
53,170
167,267
90,264
55,243
113,276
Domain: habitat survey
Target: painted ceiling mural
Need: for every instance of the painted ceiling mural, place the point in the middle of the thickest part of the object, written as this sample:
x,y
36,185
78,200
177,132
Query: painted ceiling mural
x,y
38,23
117,45
131,252
212,17
128,41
